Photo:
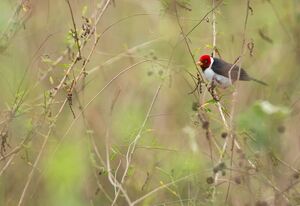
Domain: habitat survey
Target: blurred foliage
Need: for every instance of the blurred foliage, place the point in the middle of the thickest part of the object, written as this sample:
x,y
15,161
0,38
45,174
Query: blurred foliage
x,y
262,121
64,176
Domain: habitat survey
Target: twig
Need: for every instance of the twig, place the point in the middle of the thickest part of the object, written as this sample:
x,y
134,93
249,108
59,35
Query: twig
x,y
75,30
113,180
214,32
7,164
132,145
160,188
34,166
119,56
203,18
234,96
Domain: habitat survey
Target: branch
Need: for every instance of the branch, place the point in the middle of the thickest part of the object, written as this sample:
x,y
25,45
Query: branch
x,y
132,145
75,31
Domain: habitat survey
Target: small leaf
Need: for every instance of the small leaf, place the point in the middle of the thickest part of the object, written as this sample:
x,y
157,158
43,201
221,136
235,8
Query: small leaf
x,y
130,171
211,101
51,80
65,65
208,46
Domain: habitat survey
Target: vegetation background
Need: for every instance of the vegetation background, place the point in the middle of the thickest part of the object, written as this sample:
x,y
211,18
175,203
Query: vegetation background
x,y
96,110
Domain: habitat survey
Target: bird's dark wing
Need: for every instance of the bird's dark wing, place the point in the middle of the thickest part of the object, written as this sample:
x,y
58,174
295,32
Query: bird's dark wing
x,y
223,68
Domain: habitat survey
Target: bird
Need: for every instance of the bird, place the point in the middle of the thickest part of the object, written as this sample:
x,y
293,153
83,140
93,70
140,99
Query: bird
x,y
222,73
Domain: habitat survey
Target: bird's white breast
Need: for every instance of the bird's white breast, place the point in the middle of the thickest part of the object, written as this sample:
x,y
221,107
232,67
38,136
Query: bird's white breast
x,y
210,75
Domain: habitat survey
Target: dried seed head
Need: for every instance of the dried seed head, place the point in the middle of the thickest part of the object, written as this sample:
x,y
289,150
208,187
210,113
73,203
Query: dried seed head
x,y
222,165
237,180
296,175
242,156
195,106
224,135
219,167
216,169
205,125
238,150
210,180
149,73
281,129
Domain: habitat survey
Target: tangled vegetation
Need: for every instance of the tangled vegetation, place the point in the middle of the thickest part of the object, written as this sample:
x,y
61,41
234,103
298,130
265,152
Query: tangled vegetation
x,y
102,103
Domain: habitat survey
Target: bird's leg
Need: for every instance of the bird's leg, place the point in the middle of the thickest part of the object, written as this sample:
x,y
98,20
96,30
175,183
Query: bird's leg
x,y
212,85
211,89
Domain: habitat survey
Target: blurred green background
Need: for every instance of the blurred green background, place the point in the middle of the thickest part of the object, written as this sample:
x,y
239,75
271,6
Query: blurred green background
x,y
48,157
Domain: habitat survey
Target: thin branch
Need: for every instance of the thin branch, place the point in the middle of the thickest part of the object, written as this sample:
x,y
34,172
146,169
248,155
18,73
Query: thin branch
x,y
34,166
132,145
7,164
75,30
159,188
214,32
204,17
234,98
113,180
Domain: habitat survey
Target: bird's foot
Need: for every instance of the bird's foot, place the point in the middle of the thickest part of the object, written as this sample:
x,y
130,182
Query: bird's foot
x,y
212,91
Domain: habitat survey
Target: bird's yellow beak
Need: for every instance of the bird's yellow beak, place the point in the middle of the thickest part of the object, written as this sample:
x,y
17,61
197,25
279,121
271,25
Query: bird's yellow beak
x,y
199,63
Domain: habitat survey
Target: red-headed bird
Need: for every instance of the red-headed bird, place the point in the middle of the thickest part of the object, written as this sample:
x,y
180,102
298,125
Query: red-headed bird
x,y
217,71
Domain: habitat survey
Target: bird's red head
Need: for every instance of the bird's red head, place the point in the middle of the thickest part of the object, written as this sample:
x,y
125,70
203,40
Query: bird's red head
x,y
204,61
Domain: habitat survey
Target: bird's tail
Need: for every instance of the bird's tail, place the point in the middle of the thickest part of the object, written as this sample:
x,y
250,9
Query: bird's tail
x,y
259,81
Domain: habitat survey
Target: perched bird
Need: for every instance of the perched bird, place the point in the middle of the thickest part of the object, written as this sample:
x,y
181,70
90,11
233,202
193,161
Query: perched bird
x,y
217,71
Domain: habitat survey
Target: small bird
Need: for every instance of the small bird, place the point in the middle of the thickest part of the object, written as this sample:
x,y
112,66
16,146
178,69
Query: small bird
x,y
217,71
